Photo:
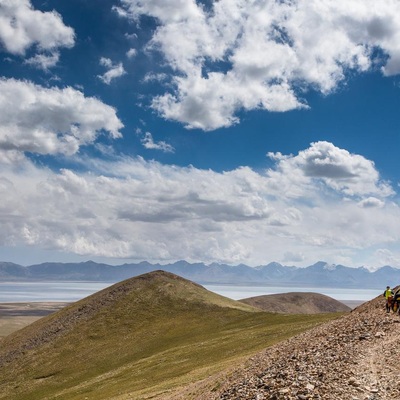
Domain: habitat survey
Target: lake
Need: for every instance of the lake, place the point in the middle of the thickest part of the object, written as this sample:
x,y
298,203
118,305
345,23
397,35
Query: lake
x,y
11,292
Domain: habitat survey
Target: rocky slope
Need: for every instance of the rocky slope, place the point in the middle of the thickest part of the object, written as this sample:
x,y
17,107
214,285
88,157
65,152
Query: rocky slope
x,y
352,358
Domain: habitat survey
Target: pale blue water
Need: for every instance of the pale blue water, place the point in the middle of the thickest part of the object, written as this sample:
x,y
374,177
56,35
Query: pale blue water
x,y
72,291
11,292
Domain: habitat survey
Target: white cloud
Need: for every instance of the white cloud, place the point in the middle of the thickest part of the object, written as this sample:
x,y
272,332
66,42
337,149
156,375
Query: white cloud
x,y
236,55
210,103
21,27
144,212
50,120
113,70
148,143
131,53
339,170
173,10
387,257
44,61
150,77
131,208
120,12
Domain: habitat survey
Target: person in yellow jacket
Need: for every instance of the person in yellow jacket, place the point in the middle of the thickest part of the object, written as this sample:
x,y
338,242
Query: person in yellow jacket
x,y
388,293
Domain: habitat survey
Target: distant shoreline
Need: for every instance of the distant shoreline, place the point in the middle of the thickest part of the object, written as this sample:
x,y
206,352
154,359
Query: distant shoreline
x,y
31,308
352,303
43,308
16,315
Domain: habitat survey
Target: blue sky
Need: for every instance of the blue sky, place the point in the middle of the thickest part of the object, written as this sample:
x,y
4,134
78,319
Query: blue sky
x,y
229,131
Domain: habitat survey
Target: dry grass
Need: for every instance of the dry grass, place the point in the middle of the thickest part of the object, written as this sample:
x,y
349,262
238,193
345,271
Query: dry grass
x,y
140,338
297,303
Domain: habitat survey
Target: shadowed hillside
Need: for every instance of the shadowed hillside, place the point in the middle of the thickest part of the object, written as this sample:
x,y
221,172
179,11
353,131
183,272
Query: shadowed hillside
x,y
297,303
143,337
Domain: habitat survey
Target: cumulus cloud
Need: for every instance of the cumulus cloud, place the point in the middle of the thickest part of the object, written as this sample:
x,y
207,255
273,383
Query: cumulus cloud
x,y
21,26
50,120
153,207
339,170
229,56
149,143
132,208
113,70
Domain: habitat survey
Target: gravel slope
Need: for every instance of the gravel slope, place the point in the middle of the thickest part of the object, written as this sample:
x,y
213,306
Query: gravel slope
x,y
352,358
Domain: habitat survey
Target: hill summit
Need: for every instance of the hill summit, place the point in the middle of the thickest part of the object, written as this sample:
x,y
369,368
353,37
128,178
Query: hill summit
x,y
141,336
131,302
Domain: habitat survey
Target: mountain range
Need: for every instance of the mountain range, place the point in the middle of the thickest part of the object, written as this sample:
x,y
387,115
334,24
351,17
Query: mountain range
x,y
320,274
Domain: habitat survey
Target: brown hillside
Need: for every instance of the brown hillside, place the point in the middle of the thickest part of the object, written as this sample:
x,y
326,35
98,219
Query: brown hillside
x,y
351,358
138,339
140,289
296,303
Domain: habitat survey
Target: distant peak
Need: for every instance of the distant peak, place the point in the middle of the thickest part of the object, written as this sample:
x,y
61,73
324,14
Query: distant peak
x,y
320,264
274,264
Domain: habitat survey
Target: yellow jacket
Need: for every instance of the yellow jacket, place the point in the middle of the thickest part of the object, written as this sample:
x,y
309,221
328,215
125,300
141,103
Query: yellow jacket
x,y
388,293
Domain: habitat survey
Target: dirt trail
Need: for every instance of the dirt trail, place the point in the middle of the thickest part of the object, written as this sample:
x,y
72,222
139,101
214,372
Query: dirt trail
x,y
378,369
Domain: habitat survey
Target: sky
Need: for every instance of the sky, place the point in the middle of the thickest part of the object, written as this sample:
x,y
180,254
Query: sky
x,y
230,131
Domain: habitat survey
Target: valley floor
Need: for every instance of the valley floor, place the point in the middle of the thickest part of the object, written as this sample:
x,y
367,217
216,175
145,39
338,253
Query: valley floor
x,y
14,316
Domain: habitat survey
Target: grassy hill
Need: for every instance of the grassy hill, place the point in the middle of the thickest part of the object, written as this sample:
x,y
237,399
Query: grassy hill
x,y
297,303
138,339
